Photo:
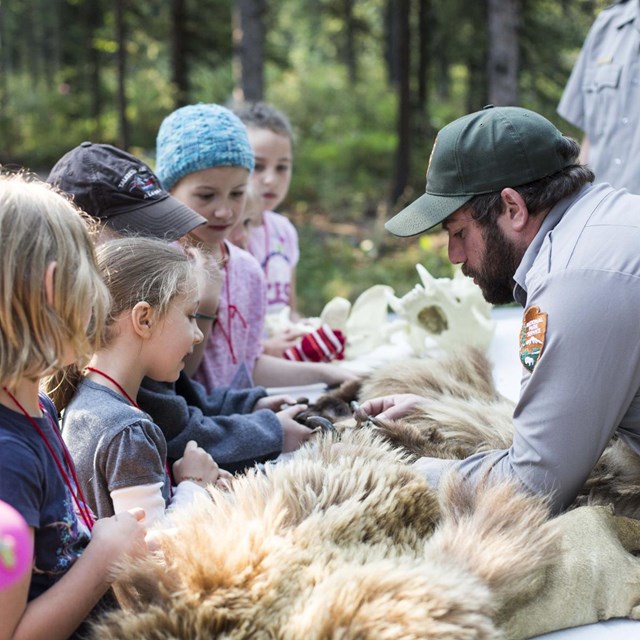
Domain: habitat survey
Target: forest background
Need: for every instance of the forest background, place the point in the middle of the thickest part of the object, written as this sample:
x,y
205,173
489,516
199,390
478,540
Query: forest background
x,y
366,84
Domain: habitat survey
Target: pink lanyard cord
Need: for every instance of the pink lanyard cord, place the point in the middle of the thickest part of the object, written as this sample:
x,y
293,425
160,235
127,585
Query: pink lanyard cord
x,y
232,312
267,247
77,495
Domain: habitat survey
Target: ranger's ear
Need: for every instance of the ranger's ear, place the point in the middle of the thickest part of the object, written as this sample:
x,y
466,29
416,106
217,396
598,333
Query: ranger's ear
x,y
515,209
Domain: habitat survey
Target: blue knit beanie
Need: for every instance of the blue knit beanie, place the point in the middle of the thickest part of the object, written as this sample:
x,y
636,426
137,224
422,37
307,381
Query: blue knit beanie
x,y
197,137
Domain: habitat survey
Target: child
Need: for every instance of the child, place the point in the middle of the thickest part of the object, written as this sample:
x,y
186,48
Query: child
x,y
49,290
274,241
120,454
139,205
236,426
204,159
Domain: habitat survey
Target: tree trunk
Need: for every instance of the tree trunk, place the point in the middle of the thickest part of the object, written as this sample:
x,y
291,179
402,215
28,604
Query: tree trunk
x,y
92,21
424,40
179,66
5,61
121,72
351,59
248,47
403,151
391,46
503,58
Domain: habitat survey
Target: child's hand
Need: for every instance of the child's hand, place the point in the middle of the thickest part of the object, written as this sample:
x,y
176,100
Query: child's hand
x,y
278,344
120,535
196,465
274,402
224,481
294,433
332,375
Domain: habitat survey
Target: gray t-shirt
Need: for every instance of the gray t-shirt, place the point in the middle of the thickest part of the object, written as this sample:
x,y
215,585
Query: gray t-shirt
x,y
602,96
580,280
113,445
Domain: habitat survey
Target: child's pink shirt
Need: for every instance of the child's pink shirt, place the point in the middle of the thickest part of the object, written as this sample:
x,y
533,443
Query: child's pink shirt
x,y
234,343
275,246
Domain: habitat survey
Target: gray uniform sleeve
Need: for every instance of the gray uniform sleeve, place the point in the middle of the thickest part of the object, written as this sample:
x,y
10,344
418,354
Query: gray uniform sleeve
x,y
583,387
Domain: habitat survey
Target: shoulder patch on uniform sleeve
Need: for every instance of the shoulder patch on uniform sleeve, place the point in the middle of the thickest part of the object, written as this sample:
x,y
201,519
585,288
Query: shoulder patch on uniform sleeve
x,y
532,335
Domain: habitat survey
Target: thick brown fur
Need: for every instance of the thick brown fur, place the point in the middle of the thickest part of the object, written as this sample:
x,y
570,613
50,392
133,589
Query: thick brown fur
x,y
466,414
344,541
348,541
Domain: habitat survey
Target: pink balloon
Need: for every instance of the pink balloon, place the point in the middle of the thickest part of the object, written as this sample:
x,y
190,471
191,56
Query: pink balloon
x,y
15,546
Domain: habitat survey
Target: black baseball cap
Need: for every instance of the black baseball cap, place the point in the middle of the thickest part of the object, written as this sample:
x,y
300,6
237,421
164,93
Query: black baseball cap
x,y
480,153
122,191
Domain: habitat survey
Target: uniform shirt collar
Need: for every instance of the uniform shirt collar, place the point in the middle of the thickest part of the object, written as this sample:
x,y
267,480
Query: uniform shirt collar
x,y
550,221
630,13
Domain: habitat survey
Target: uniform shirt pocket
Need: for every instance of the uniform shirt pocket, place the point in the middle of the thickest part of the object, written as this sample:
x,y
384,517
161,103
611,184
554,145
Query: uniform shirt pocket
x,y
602,98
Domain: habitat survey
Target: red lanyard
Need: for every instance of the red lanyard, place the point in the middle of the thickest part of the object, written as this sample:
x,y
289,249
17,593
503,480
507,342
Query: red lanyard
x,y
116,383
78,496
232,311
131,401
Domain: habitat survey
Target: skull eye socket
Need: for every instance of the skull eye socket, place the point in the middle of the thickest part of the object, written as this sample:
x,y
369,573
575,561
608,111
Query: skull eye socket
x,y
433,319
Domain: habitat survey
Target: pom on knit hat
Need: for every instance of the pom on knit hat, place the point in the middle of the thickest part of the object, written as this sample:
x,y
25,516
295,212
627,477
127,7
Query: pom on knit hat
x,y
197,137
322,345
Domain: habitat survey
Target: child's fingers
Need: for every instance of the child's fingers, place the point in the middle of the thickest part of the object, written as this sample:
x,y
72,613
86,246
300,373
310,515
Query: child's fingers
x,y
191,445
138,513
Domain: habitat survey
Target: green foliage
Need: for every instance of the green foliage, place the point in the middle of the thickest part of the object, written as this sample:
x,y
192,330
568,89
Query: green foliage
x,y
333,265
58,87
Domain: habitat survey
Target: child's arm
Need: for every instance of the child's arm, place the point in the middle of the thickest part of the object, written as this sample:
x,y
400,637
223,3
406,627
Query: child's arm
x,y
144,496
279,343
58,612
293,298
277,372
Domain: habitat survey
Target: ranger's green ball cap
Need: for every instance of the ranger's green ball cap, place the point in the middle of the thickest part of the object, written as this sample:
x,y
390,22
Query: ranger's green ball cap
x,y
482,152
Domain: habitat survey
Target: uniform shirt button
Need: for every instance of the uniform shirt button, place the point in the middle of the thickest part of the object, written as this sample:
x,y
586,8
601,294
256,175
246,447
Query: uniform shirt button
x,y
617,161
625,120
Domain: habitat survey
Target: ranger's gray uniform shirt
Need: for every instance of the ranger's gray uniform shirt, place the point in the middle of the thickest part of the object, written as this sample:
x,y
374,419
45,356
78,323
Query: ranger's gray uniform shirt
x,y
602,96
583,271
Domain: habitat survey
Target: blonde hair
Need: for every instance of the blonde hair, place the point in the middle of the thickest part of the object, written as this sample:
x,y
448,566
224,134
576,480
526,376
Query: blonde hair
x,y
134,269
137,269
39,226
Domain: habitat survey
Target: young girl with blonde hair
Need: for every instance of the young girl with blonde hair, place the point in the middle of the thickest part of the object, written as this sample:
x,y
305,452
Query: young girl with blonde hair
x,y
49,291
120,453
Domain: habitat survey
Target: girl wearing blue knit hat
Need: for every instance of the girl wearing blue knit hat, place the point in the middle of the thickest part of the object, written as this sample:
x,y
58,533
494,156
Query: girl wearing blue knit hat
x,y
204,159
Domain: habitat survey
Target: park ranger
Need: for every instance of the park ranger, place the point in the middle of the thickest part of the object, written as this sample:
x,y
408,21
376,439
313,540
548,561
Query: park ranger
x,y
525,222
602,96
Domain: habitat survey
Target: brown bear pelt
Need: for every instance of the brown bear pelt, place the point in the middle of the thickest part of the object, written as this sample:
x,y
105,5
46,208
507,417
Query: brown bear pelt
x,y
466,414
344,541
